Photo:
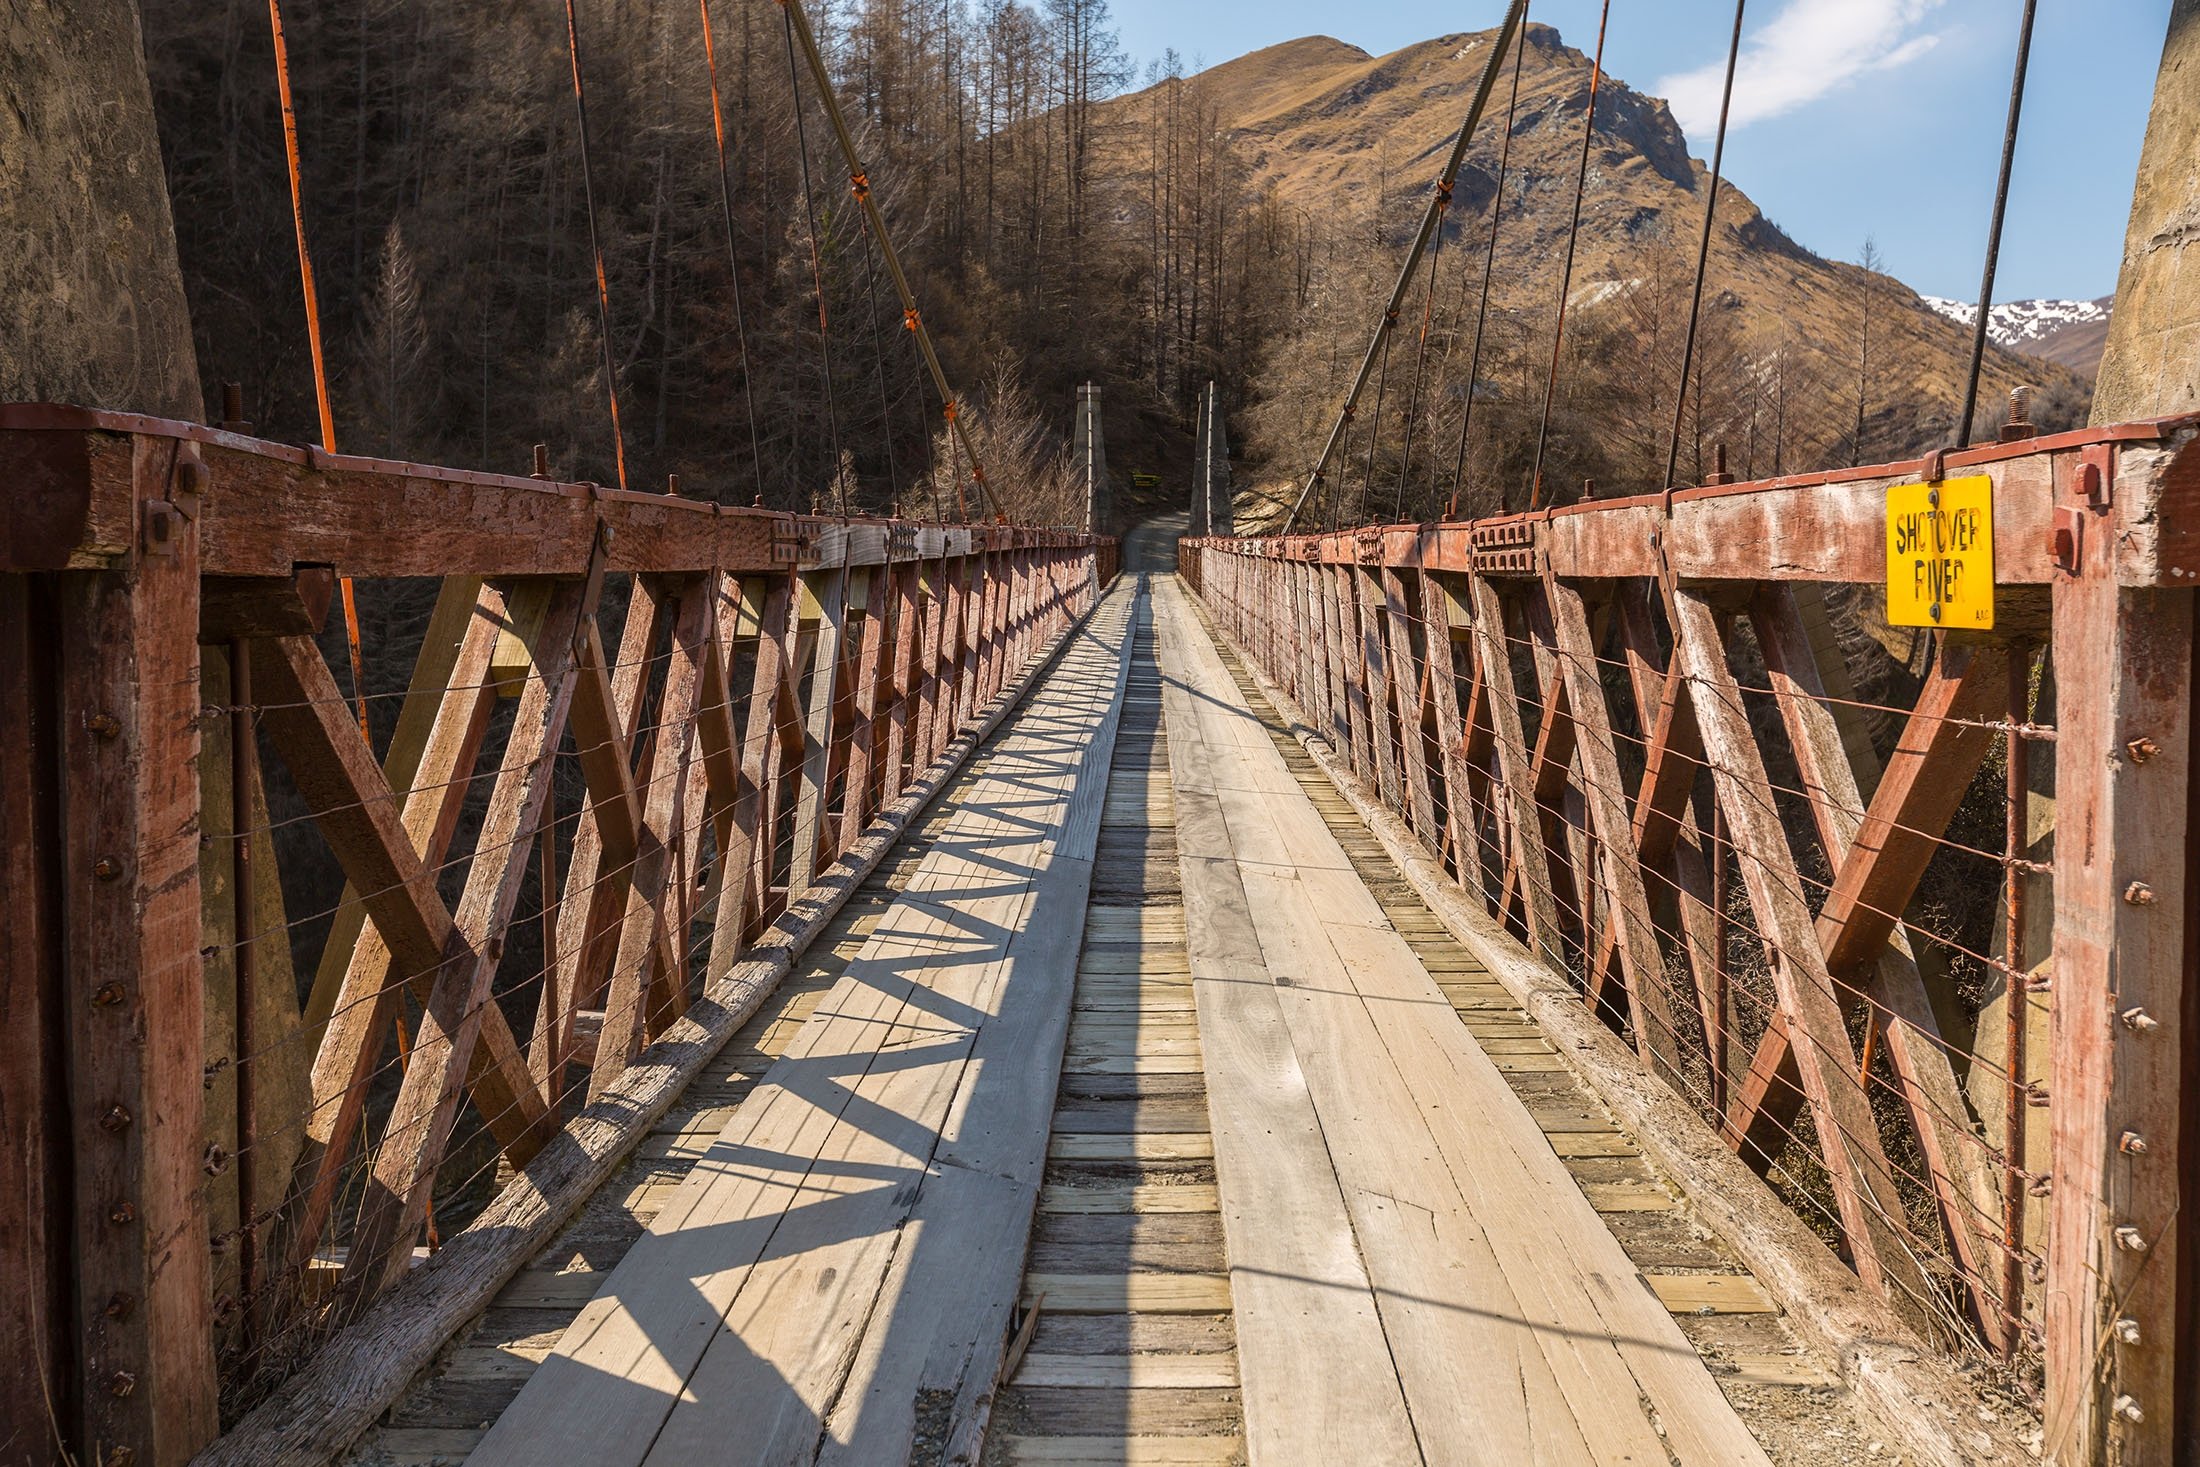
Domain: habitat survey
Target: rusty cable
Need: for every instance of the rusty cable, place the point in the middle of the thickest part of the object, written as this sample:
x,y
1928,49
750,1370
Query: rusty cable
x,y
1506,32
1993,229
1566,276
1489,266
1420,363
859,182
313,335
595,244
733,253
817,264
1703,261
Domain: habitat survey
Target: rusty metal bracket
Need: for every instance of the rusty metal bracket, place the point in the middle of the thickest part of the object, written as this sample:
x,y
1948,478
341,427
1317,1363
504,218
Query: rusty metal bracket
x,y
1506,547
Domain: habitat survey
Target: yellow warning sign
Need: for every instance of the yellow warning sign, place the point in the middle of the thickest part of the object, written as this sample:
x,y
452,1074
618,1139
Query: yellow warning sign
x,y
1940,554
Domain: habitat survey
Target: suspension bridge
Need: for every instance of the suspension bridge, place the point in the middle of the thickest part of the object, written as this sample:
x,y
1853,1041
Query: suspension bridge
x,y
818,988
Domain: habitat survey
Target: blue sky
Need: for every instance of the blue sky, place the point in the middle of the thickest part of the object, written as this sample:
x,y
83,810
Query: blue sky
x,y
1854,117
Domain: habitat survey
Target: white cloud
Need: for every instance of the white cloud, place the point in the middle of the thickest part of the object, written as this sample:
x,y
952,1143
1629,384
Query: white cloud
x,y
1805,51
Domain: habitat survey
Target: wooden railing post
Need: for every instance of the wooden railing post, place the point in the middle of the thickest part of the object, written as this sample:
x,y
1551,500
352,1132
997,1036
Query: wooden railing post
x,y
2123,986
132,988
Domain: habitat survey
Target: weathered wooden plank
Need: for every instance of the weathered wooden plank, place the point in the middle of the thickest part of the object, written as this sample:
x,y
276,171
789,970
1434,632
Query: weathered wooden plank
x,y
650,956
1305,1311
128,744
450,1023
1955,1156
1864,1188
1657,1035
360,1023
2124,1010
310,724
1526,858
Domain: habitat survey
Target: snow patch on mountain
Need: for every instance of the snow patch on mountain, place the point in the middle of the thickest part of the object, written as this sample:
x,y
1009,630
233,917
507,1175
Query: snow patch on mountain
x,y
2016,324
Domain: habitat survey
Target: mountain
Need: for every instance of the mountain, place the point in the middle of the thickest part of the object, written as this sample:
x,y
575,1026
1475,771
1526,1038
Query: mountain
x,y
1352,141
2069,332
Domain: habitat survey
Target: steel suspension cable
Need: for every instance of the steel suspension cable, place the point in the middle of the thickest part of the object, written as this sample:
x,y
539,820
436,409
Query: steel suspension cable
x,y
878,351
313,338
1420,365
859,183
1489,266
1566,277
733,255
595,242
1507,31
1375,424
1993,233
1703,256
817,262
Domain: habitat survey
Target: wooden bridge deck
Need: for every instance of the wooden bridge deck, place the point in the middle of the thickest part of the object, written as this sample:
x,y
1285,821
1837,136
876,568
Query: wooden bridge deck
x,y
1315,1190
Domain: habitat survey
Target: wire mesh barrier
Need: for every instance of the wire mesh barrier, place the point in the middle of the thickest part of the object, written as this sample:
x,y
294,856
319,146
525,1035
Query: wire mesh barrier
x,y
323,980
1900,913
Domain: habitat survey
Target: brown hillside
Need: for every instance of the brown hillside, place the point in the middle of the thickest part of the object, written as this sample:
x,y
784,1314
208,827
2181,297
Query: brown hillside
x,y
1341,135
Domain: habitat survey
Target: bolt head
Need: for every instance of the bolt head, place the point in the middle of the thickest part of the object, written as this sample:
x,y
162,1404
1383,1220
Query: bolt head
x,y
122,1214
2130,1239
106,868
2142,749
2139,1020
108,994
103,725
115,1118
2126,1409
121,1383
2139,894
2127,1331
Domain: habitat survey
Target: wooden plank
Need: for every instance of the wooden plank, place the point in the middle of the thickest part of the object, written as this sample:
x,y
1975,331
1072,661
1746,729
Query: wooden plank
x,y
2123,955
1463,1203
1942,746
1881,1362
309,721
450,1024
359,1026
1711,1293
131,988
1124,1451
1870,1207
740,889
936,1333
1955,1156
1409,687
805,1194
1180,1372
362,1369
1657,1036
1526,858
439,645
650,956
1141,1293
830,592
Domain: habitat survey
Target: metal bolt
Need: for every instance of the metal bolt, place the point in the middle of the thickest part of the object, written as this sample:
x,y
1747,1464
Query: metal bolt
x,y
122,1214
2042,1185
2139,894
120,1384
216,1160
107,995
2139,1020
103,725
115,1118
2142,749
162,526
2035,1094
106,868
2126,1409
2130,1239
2131,1143
120,1305
2127,1331
121,1456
